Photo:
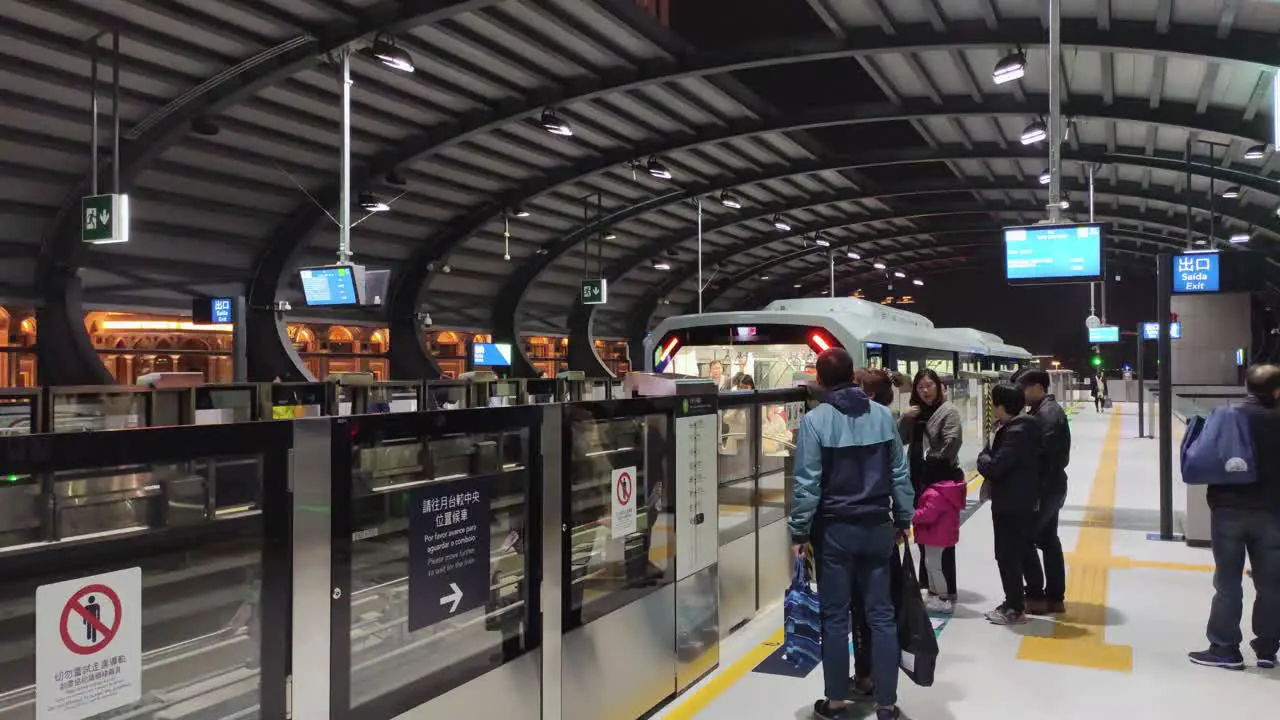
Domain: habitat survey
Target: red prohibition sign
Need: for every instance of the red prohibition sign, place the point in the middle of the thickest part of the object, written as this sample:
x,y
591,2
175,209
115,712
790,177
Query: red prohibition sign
x,y
624,488
106,633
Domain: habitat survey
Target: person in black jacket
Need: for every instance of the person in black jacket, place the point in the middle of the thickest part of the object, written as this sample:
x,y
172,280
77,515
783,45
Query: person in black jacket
x,y
1047,587
1246,520
1011,473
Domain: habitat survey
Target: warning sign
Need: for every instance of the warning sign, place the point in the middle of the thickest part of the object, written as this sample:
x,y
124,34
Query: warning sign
x,y
89,645
624,503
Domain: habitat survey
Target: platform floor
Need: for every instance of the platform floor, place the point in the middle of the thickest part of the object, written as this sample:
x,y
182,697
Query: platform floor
x,y
1135,607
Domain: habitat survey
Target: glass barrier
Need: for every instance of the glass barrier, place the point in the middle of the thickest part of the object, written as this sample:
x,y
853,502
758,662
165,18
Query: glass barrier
x,y
779,422
81,410
615,561
19,412
212,576
443,531
737,467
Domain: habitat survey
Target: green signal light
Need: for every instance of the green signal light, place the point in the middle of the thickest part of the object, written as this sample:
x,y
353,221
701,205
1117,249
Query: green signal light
x,y
1097,361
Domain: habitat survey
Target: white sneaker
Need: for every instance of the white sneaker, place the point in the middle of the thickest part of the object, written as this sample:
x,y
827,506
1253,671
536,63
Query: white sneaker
x,y
940,605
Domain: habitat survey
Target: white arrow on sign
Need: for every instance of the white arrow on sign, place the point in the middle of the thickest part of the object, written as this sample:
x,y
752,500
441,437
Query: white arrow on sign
x,y
453,598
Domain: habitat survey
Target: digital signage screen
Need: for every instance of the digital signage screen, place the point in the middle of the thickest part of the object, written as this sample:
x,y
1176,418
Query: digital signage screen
x,y
330,286
1151,331
491,355
1197,273
1042,254
1104,334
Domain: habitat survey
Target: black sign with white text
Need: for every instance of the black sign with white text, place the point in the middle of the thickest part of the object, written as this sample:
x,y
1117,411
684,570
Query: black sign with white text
x,y
449,550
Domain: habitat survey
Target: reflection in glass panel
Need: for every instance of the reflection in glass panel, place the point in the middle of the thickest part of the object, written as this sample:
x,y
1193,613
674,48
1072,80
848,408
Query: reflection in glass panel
x,y
201,629
385,654
770,366
608,566
736,470
98,411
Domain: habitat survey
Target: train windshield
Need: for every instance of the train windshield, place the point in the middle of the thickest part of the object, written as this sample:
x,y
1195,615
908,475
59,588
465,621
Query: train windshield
x,y
755,357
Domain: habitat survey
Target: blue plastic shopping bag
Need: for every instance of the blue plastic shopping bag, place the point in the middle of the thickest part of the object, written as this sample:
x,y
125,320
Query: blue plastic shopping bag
x,y
1218,450
802,637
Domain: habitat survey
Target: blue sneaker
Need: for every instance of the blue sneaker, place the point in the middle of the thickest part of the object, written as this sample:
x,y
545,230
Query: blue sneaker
x,y
1218,658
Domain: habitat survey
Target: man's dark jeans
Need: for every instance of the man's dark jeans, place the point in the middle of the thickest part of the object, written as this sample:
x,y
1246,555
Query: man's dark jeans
x,y
1051,582
1012,535
849,556
1237,533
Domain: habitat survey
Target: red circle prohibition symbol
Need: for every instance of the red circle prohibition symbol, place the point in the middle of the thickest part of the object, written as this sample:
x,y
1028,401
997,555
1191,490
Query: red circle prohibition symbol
x,y
106,633
624,488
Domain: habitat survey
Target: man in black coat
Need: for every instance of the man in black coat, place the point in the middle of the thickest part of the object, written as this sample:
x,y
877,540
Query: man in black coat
x,y
1047,587
1011,475
1246,521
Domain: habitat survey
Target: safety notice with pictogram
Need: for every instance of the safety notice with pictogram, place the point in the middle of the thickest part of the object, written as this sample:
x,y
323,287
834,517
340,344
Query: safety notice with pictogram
x,y
623,503
88,645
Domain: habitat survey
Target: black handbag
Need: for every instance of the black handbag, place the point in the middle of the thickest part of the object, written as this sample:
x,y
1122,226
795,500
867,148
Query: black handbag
x,y
918,643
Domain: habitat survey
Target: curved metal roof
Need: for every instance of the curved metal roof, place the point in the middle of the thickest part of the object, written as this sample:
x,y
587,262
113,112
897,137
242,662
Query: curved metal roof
x,y
875,122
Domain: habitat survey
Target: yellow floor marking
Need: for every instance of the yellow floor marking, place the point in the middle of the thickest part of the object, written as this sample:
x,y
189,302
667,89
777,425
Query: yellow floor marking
x,y
1079,638
696,701
1124,563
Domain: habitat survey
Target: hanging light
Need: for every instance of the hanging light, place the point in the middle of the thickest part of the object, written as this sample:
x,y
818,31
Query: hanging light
x,y
1010,68
610,235
853,255
657,169
899,274
1240,238
918,282
1256,152
661,265
1231,193
1034,133
385,51
879,266
1046,176
820,241
780,224
797,286
554,125
1064,204
519,212
730,200
370,203
764,277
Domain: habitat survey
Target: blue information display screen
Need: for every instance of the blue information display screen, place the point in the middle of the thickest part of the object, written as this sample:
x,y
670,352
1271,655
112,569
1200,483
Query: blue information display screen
x,y
1151,331
329,286
491,355
1104,334
1197,273
1053,254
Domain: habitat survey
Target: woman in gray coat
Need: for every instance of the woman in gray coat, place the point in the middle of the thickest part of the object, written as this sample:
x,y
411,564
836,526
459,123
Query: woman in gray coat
x,y
932,432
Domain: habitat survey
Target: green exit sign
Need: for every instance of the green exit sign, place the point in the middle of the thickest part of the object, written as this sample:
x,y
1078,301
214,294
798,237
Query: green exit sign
x,y
104,219
595,291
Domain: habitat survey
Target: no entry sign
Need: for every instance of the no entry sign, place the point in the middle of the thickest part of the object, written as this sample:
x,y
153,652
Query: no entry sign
x,y
623,517
88,645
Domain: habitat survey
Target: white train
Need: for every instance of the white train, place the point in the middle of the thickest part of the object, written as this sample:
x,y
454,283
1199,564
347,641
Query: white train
x,y
784,338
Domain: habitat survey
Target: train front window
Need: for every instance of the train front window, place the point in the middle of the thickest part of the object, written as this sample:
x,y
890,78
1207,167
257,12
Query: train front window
x,y
769,366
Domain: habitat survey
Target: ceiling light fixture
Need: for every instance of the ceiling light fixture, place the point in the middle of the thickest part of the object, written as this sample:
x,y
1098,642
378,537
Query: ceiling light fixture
x,y
385,51
797,286
918,282
610,235
853,255
657,169
780,224
1010,68
661,265
879,266
1240,238
370,203
554,125
764,277
730,200
820,241
1231,193
1256,152
519,212
1046,176
899,274
1034,133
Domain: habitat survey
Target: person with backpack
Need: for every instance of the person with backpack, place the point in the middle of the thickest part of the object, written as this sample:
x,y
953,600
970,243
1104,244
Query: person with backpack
x,y
853,500
1244,505
1047,585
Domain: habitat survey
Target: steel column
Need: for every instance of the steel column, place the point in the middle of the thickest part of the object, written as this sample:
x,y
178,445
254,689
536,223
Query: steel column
x,y
1164,302
1055,109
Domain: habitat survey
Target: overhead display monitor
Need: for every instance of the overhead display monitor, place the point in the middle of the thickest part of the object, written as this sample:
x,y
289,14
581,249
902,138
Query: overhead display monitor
x,y
1197,272
491,355
1104,334
1042,254
211,311
334,285
1151,331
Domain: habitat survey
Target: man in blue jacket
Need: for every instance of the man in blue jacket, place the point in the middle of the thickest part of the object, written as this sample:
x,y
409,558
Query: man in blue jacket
x,y
853,500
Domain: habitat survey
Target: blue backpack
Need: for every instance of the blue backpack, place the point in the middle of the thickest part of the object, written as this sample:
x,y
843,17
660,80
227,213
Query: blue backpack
x,y
1218,450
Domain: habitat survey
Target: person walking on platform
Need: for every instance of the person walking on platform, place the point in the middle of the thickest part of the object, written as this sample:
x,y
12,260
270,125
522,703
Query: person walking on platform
x,y
1011,478
1047,585
853,500
1246,521
932,430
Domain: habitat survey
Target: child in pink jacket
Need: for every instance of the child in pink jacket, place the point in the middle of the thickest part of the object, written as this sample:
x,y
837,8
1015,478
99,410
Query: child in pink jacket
x,y
937,527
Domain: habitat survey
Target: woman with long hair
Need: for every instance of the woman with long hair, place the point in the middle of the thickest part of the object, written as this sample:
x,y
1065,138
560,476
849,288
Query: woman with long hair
x,y
932,432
